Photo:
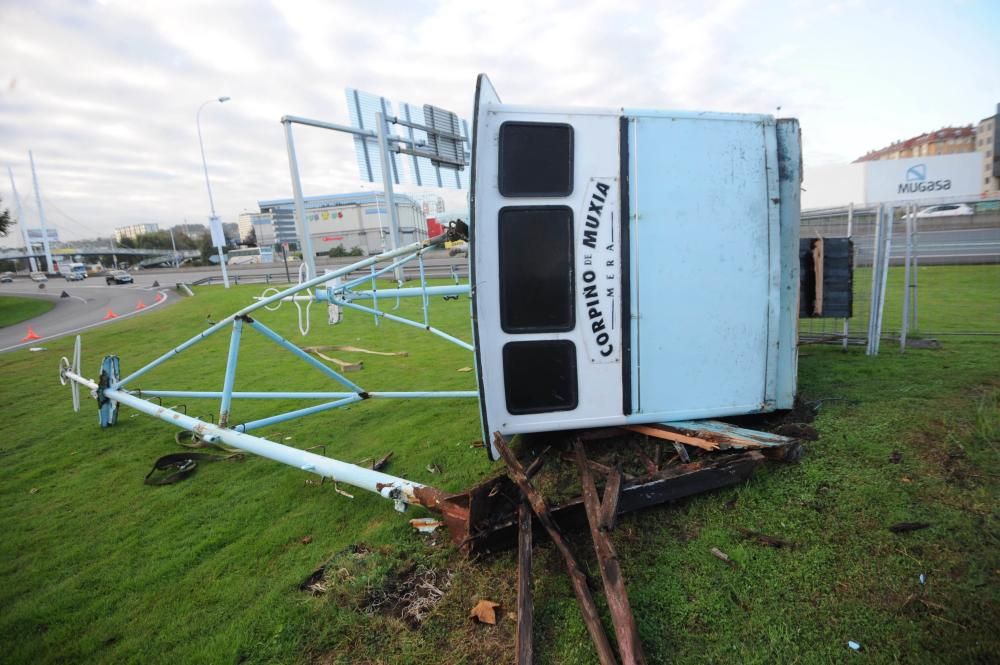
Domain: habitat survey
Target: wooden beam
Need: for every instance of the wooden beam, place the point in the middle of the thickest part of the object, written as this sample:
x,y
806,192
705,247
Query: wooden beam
x,y
525,605
591,618
673,436
609,505
629,646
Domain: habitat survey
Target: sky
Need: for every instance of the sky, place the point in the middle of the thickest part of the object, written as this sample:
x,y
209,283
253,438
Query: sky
x,y
105,92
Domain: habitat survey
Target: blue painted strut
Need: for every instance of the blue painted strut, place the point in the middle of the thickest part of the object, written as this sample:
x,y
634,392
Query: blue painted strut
x,y
298,413
284,343
230,380
214,394
413,248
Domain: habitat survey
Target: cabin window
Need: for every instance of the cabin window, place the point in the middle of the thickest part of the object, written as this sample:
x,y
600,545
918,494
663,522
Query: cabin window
x,y
536,159
540,376
536,269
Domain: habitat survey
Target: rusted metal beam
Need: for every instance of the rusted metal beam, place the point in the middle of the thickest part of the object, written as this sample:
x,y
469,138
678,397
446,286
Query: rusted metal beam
x,y
525,605
629,645
591,618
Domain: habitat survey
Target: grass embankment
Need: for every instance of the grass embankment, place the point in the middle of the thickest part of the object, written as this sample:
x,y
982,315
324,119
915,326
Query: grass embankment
x,y
96,566
14,309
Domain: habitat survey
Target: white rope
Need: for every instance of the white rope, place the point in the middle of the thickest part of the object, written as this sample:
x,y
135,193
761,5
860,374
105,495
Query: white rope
x,y
304,277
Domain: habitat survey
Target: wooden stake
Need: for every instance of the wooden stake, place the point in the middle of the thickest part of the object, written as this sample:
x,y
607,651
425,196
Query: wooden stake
x,y
629,645
525,605
588,608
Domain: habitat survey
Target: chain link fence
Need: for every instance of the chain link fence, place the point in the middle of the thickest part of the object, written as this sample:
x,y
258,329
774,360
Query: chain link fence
x,y
953,281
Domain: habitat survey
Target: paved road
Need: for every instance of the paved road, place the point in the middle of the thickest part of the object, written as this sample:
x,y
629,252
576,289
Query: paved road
x,y
939,247
86,307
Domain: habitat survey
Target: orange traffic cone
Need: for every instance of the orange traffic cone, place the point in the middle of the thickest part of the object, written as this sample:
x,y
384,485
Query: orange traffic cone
x,y
31,335
110,315
141,305
159,297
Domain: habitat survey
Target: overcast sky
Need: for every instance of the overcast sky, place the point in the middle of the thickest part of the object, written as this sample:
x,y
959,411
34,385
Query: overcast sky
x,y
105,93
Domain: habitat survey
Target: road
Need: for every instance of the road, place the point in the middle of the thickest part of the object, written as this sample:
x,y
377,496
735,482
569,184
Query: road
x,y
950,246
87,305
91,299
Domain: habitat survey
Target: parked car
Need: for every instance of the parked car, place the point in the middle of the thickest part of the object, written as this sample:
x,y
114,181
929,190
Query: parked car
x,y
117,277
38,277
6,278
945,210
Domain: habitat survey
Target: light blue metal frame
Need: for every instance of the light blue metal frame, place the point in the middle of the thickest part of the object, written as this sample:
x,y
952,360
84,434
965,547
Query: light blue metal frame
x,y
342,295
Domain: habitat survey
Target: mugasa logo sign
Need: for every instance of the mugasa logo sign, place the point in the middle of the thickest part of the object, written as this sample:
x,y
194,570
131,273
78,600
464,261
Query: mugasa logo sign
x,y
916,181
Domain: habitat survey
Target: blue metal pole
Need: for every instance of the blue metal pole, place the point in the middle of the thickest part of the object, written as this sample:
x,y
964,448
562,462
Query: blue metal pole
x,y
408,292
315,281
390,487
298,413
230,380
423,286
399,319
413,292
214,394
281,341
173,352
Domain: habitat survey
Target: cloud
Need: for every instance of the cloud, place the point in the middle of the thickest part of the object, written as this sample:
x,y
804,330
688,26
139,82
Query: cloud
x,y
105,93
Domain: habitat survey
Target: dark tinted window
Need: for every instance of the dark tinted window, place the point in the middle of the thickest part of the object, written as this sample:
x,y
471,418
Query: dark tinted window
x,y
536,269
536,159
540,376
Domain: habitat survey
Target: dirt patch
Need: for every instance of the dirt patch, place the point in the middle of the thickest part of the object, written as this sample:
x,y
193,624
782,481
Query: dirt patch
x,y
794,422
341,567
410,594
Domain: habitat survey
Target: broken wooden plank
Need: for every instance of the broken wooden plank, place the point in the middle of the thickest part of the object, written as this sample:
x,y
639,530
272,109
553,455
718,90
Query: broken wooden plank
x,y
591,618
609,504
355,349
817,253
629,645
764,539
713,435
525,649
490,533
651,466
380,463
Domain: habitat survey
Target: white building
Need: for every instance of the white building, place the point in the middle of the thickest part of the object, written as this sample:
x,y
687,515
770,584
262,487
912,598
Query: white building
x,y
262,225
134,230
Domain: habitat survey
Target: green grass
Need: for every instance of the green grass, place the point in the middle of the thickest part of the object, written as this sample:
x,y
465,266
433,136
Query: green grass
x,y
96,566
14,309
950,299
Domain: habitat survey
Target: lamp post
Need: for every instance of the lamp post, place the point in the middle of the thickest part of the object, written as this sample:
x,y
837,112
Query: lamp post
x,y
213,220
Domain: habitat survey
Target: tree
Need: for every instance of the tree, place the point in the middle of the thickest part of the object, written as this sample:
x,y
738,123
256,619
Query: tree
x,y
5,221
251,239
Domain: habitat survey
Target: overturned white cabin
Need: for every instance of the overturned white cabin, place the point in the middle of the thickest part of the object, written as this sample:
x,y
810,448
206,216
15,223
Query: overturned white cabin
x,y
632,266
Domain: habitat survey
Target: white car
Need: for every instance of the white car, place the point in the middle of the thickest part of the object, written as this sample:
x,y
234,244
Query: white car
x,y
945,210
38,277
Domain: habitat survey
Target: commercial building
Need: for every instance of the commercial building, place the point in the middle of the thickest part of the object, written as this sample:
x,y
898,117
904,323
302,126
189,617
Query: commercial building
x,y
356,220
135,230
988,143
262,226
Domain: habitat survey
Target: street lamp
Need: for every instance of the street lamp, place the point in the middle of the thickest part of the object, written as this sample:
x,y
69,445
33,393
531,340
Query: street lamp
x,y
213,219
